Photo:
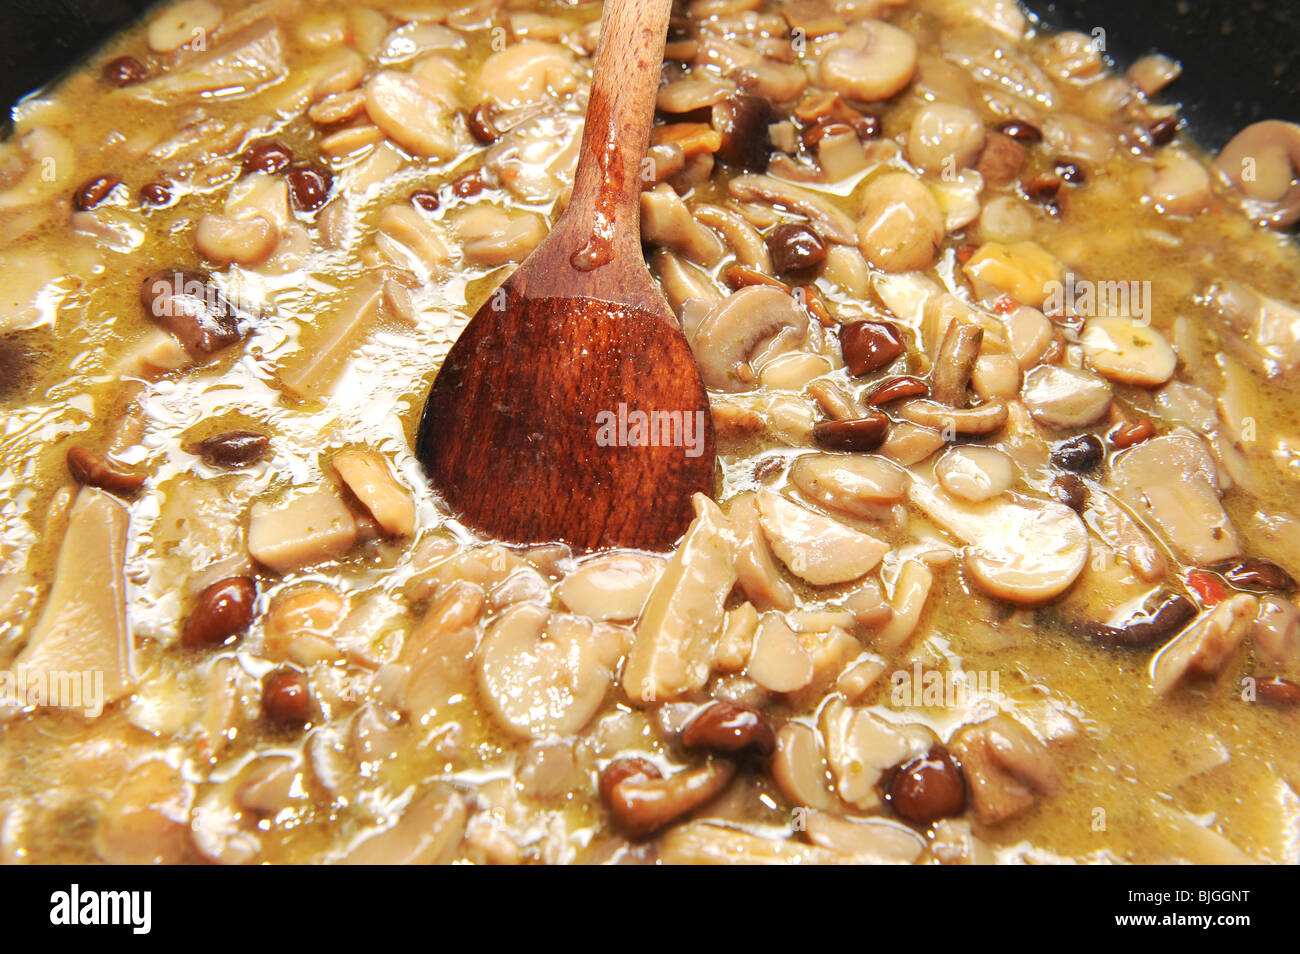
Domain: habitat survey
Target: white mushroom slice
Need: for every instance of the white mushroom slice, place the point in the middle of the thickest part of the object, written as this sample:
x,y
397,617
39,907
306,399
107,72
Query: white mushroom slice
x,y
860,746
870,61
312,527
907,602
1060,396
1170,482
909,443
778,660
1019,548
799,767
974,473
31,287
51,160
428,833
412,241
179,24
1125,536
83,626
526,72
950,421
1276,632
490,236
816,548
1128,351
692,93
958,198
665,220
732,651
1179,185
246,241
242,63
1269,327
825,219
749,247
368,477
1004,765
734,330
855,484
793,371
756,570
437,656
901,224
610,587
544,673
944,137
873,841
147,819
703,843
404,110
675,639
1205,646
414,39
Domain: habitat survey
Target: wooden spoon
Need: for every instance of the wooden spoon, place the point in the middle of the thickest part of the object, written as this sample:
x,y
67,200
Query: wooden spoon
x,y
531,428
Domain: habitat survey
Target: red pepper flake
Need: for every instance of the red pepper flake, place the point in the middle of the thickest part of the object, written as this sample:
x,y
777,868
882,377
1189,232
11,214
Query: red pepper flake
x,y
965,253
1209,589
1005,305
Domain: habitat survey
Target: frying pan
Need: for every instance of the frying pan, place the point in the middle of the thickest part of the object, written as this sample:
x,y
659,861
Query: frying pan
x,y
1240,58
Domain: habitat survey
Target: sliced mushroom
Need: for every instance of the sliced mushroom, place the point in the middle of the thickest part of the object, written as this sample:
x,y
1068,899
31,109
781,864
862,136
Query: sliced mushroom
x,y
982,419
428,832
1179,185
1128,351
826,220
704,843
1171,483
860,746
944,137
642,803
1019,548
955,362
1270,328
675,639
610,587
1275,632
734,330
1261,162
974,473
544,673
857,485
83,628
526,71
1204,647
1124,535
778,659
399,105
870,61
745,242
874,841
366,474
309,528
1006,766
907,601
901,225
1061,396
665,220
799,766
756,570
816,548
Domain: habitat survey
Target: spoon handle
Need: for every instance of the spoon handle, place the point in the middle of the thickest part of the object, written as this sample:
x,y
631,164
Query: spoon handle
x,y
605,213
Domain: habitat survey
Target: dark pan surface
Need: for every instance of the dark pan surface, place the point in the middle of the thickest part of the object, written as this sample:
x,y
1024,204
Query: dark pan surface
x,y
1241,59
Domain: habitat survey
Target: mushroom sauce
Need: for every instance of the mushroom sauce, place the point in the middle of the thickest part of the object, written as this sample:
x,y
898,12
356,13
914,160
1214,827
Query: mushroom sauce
x,y
1002,369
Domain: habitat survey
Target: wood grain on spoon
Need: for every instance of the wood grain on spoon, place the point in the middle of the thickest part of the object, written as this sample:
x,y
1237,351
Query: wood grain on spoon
x,y
578,336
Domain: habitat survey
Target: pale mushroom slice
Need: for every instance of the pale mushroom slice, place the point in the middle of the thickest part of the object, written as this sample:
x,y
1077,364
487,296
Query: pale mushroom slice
x,y
1128,351
1205,646
733,332
83,628
707,843
1006,767
860,746
544,673
428,832
799,766
756,570
1019,548
673,647
366,474
975,473
814,547
778,660
307,529
854,484
613,586
875,841
1065,397
1170,483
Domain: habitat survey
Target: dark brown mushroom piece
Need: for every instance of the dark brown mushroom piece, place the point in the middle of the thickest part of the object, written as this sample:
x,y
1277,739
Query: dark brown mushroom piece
x,y
425,201
742,121
223,611
1163,616
480,123
191,306
124,71
1257,575
1277,691
93,192
896,389
309,186
269,156
91,470
795,247
1070,490
642,804
1261,163
155,193
927,788
862,434
286,700
233,448
1001,160
1079,454
1021,131
869,346
727,728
